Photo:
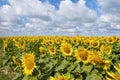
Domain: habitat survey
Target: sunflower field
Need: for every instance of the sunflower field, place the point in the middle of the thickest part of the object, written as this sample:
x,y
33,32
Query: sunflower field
x,y
62,57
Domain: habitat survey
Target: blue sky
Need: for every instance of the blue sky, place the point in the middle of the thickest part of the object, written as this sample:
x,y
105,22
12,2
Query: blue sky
x,y
59,17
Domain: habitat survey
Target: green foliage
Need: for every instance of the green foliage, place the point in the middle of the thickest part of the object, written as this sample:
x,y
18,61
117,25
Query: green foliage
x,y
1,43
94,75
53,64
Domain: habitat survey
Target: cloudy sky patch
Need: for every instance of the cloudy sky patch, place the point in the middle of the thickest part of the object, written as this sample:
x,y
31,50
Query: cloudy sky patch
x,y
59,17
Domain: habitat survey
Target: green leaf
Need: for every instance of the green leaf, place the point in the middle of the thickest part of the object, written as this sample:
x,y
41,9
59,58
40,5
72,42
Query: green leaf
x,y
48,67
6,60
44,77
17,76
63,65
87,68
42,61
94,76
78,69
31,78
72,66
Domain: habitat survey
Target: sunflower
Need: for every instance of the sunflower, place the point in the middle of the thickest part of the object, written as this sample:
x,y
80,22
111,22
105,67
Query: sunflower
x,y
110,40
28,63
94,43
106,48
42,50
23,45
61,77
5,44
86,41
95,58
106,64
82,54
102,38
15,61
17,44
115,38
66,49
78,39
51,50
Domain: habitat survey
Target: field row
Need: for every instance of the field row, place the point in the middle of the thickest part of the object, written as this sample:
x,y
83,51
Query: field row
x,y
62,57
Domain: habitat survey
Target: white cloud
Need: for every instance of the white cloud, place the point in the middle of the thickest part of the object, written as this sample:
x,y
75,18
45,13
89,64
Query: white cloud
x,y
115,25
76,11
70,19
44,18
110,6
109,20
30,8
7,13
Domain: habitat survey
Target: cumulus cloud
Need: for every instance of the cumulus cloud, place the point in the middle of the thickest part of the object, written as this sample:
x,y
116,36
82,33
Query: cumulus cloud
x,y
110,12
33,17
43,18
76,11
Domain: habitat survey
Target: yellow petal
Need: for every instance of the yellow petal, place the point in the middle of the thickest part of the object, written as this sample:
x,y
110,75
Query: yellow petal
x,y
119,65
118,69
52,78
111,74
107,78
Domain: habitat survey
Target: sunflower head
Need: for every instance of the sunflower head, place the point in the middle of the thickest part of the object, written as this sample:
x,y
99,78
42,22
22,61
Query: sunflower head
x,y
17,44
86,41
115,38
95,58
78,39
28,63
106,64
82,54
5,43
66,49
51,50
42,50
110,40
61,77
94,43
15,61
106,48
102,38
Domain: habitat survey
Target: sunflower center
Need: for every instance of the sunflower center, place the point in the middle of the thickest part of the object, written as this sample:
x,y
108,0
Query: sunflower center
x,y
97,60
83,55
52,49
29,63
95,44
110,40
106,49
87,42
67,50
61,79
42,51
